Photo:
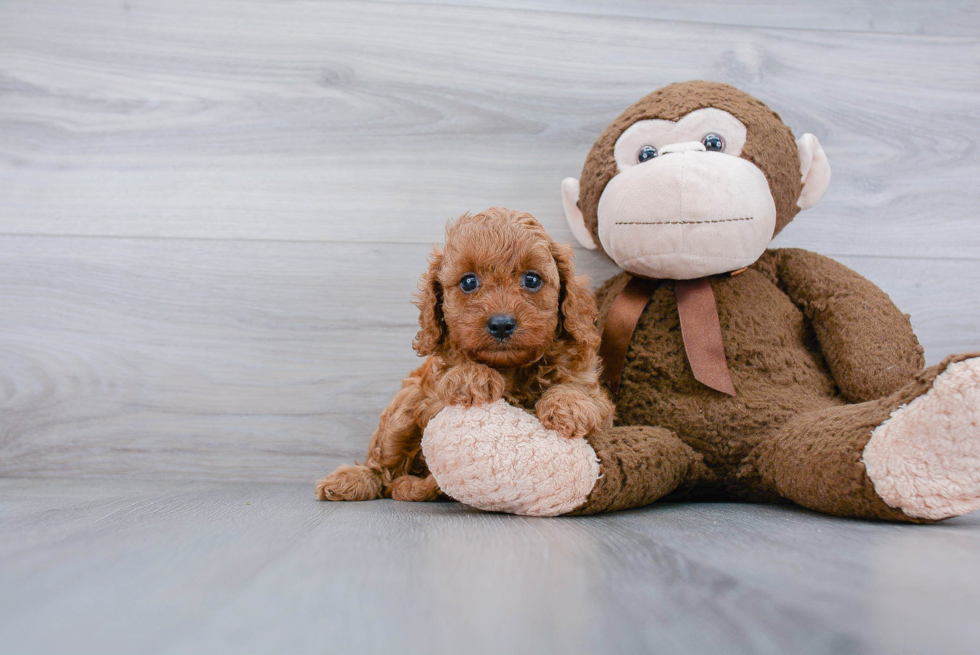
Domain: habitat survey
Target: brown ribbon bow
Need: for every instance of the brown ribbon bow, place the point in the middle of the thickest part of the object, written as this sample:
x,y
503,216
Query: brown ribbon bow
x,y
700,329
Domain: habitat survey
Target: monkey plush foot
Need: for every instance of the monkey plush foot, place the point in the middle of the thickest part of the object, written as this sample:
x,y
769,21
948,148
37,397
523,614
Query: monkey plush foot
x,y
499,458
925,459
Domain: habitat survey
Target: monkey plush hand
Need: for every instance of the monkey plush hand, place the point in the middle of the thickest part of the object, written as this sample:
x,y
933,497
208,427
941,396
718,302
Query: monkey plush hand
x,y
737,371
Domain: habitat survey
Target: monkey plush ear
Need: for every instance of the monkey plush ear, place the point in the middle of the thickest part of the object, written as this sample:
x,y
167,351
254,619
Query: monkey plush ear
x,y
569,200
814,169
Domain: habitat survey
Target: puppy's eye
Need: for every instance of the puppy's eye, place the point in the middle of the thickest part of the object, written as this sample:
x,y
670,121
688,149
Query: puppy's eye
x,y
469,283
713,143
646,153
531,281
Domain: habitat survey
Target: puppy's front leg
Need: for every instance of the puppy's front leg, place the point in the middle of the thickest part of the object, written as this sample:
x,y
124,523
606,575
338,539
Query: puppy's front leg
x,y
574,412
470,384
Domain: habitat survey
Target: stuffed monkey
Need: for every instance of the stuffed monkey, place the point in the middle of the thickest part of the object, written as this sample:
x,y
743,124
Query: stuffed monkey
x,y
737,371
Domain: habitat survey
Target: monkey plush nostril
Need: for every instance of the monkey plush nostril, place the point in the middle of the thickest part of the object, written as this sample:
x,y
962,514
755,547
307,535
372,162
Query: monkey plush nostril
x,y
501,326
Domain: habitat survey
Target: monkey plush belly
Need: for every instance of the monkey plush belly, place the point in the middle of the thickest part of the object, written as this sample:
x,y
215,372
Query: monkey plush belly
x,y
773,356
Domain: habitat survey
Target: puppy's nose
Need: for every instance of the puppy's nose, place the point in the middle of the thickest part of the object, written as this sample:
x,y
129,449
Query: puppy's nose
x,y
501,326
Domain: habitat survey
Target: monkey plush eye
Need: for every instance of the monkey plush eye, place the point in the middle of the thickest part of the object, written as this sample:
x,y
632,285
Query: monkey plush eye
x,y
713,143
646,152
531,281
469,283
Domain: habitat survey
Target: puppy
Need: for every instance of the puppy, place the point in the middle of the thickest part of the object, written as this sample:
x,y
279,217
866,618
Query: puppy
x,y
502,316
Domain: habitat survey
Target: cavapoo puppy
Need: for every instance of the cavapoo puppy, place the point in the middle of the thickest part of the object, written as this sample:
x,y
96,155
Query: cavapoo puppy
x,y
502,316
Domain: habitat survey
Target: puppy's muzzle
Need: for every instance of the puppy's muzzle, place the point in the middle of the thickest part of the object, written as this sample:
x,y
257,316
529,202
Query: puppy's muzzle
x,y
501,326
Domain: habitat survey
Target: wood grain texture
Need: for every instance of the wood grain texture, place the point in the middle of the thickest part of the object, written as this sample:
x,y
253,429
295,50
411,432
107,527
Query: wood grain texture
x,y
257,359
899,16
376,122
212,215
111,567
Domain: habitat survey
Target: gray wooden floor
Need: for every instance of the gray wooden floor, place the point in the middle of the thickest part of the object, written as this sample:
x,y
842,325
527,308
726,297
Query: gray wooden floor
x,y
212,218
194,567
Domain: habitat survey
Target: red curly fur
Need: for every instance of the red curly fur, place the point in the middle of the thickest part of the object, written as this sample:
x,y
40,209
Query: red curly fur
x,y
548,364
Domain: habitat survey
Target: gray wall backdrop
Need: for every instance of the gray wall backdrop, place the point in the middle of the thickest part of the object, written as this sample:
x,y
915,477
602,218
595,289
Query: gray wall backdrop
x,y
213,215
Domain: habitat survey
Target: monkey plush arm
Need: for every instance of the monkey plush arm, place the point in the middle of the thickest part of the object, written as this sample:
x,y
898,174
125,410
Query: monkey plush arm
x,y
867,342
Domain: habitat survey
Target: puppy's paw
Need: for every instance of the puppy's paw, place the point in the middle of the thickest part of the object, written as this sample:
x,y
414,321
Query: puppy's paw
x,y
350,483
415,489
562,420
469,385
572,413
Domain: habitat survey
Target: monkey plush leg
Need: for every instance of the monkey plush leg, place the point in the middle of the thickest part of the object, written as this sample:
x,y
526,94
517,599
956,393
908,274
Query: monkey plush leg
x,y
639,464
912,456
500,458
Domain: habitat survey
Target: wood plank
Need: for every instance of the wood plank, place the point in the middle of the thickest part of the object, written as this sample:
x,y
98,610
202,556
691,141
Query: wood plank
x,y
959,17
257,360
377,122
114,567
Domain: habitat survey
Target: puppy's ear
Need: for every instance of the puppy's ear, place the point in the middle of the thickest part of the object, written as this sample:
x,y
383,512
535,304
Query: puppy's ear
x,y
429,301
578,310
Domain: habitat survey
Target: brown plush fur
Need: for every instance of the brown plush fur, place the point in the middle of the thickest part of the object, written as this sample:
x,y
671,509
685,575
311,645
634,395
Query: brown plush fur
x,y
548,365
819,357
640,464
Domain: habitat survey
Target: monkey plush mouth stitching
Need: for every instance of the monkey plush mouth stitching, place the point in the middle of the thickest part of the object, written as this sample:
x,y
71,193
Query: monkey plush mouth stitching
x,y
720,220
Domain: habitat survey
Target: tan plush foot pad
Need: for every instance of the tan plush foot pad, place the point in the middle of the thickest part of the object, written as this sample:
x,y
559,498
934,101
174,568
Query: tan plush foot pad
x,y
925,459
500,458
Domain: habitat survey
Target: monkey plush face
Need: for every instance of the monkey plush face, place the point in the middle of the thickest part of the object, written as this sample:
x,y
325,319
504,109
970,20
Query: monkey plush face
x,y
693,180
